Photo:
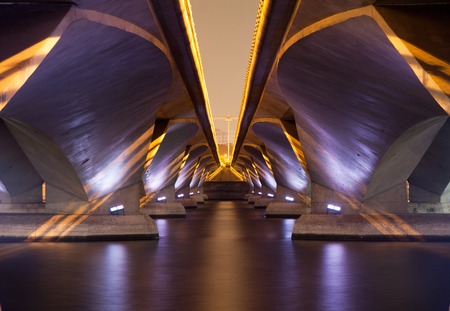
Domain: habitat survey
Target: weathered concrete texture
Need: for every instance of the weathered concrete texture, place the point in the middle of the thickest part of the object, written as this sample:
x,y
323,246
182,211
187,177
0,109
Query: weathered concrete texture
x,y
386,227
262,202
253,198
46,227
22,208
170,209
429,208
198,198
393,200
287,209
234,190
188,202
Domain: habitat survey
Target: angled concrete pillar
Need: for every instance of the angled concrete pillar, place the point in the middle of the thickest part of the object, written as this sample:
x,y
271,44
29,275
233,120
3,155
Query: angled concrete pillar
x,y
281,207
267,196
186,199
60,202
393,201
127,196
164,204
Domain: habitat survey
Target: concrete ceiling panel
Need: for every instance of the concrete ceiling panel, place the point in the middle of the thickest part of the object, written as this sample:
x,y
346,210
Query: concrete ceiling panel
x,y
353,95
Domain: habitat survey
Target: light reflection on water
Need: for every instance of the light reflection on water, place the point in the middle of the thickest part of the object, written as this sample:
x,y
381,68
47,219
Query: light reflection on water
x,y
225,256
115,278
335,276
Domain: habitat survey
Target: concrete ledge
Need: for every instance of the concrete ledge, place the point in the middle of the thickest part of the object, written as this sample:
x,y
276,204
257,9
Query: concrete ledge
x,y
253,198
262,202
364,227
160,210
198,198
188,202
47,227
22,208
287,209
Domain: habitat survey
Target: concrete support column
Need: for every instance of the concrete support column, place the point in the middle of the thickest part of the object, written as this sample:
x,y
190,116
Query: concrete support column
x,y
186,199
266,190
168,193
321,197
128,197
423,201
58,201
169,207
185,191
33,195
28,202
394,201
280,207
419,195
283,192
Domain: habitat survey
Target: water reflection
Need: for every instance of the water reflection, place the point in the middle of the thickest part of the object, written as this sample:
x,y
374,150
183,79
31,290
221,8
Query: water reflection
x,y
225,256
162,227
334,277
114,278
288,226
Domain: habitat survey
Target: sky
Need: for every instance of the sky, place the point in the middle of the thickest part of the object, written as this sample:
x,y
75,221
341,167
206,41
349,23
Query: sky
x,y
224,31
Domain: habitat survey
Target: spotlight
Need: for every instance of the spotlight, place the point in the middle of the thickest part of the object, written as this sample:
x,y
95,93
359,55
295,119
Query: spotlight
x,y
160,199
259,192
289,199
117,210
180,195
191,193
270,195
333,208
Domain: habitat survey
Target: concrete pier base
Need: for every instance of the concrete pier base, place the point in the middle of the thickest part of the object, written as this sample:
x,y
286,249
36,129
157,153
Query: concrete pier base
x,y
381,227
262,202
252,198
198,198
170,209
287,209
188,202
51,227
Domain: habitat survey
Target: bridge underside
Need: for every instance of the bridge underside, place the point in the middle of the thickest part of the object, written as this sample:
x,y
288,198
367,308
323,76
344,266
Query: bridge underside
x,y
104,110
346,110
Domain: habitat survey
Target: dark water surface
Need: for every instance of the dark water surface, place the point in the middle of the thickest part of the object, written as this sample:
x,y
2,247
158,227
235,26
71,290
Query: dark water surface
x,y
225,256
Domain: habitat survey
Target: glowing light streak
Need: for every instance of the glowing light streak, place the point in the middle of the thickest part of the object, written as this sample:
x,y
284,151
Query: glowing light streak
x,y
16,70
